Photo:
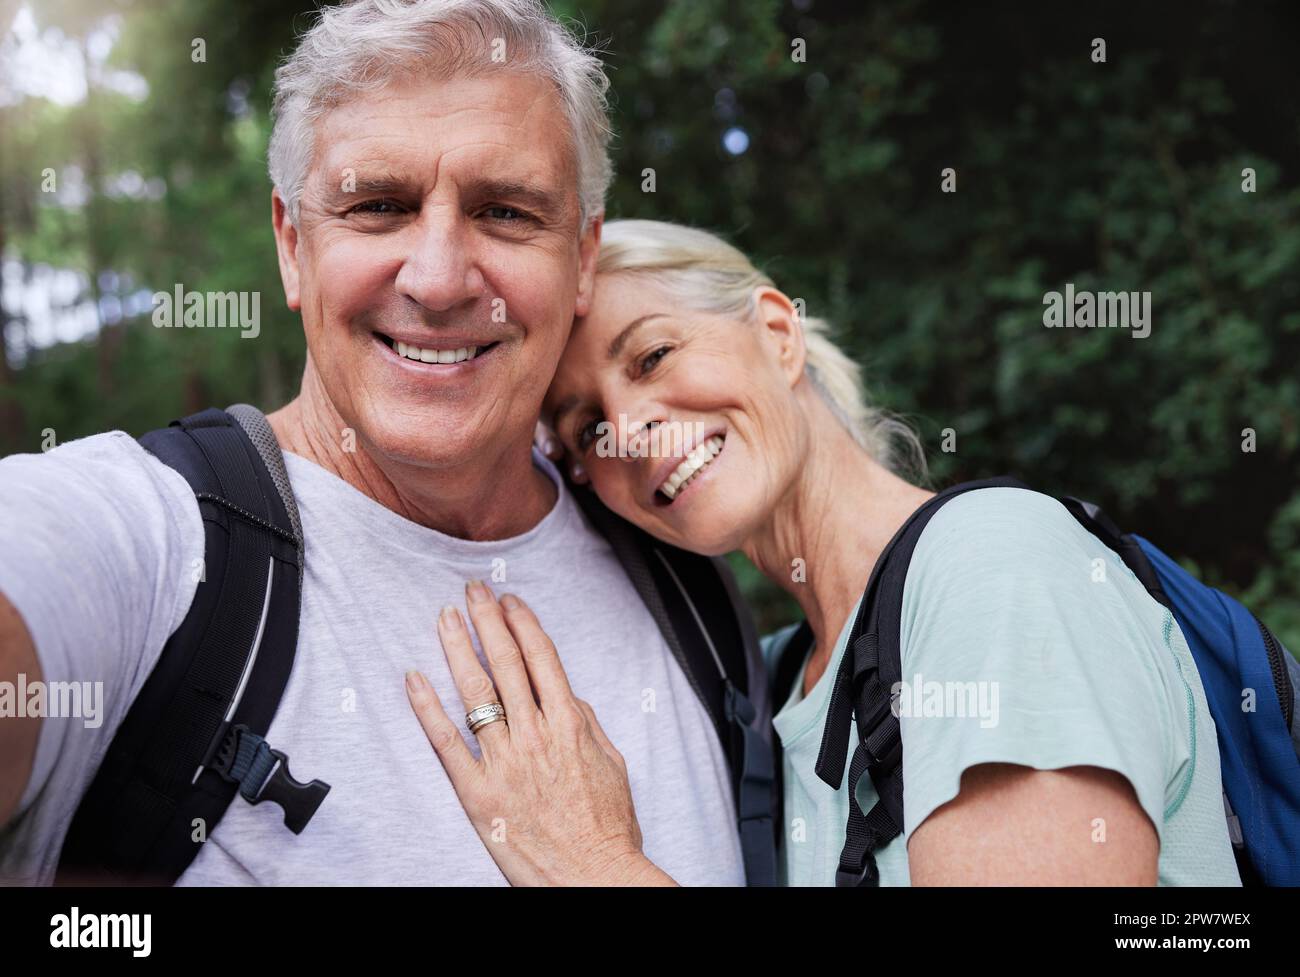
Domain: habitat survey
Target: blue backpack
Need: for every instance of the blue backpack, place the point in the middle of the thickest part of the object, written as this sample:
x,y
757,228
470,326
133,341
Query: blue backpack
x,y
1249,679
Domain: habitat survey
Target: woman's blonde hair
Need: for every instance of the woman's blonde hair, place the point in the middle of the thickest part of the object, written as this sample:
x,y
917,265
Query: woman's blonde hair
x,y
710,275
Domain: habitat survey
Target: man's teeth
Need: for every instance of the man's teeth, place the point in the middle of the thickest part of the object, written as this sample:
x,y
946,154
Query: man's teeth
x,y
436,355
694,463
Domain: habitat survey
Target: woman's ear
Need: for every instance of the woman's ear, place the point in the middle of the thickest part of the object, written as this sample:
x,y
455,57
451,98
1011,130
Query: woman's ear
x,y
782,330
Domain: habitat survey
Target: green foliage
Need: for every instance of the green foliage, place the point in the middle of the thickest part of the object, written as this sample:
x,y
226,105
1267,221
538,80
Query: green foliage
x,y
1117,176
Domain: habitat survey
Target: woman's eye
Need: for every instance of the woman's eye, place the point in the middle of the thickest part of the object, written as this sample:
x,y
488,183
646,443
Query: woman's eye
x,y
650,360
586,434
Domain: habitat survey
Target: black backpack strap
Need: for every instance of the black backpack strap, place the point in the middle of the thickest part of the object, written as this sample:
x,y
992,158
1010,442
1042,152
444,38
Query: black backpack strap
x,y
869,669
788,663
1092,518
194,736
695,604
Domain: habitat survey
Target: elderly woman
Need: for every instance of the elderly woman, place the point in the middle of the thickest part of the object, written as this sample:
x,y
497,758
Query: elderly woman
x,y
1099,764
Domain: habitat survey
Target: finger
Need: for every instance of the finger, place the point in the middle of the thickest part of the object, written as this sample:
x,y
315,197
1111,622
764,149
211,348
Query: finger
x,y
547,442
472,682
598,733
444,736
539,654
508,668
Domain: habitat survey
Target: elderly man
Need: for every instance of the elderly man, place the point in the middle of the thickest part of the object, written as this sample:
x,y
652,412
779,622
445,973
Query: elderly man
x,y
439,170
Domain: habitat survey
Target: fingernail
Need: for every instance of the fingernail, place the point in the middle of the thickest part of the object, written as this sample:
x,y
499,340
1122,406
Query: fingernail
x,y
477,592
415,681
450,618
549,448
510,602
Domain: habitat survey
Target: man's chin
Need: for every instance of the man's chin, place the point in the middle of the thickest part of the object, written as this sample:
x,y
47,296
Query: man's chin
x,y
436,443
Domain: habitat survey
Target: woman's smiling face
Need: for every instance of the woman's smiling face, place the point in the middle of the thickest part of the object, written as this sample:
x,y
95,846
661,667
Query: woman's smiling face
x,y
688,423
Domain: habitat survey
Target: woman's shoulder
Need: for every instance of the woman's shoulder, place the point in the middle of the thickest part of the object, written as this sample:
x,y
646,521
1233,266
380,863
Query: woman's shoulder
x,y
1010,601
1009,558
1006,531
999,508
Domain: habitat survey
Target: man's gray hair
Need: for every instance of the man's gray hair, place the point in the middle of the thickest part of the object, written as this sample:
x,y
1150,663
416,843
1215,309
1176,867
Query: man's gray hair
x,y
357,48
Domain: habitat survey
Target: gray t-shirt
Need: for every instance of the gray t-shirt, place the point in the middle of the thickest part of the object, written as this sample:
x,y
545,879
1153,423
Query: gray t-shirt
x,y
99,543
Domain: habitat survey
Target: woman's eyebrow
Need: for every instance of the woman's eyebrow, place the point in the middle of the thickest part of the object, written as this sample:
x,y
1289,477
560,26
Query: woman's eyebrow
x,y
621,339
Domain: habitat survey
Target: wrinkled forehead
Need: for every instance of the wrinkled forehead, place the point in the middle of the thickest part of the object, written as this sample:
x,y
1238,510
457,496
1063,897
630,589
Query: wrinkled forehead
x,y
505,127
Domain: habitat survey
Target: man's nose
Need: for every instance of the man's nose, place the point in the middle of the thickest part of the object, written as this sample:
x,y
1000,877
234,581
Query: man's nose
x,y
439,270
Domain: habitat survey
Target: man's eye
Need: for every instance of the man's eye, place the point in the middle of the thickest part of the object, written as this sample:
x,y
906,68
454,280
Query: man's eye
x,y
383,206
650,360
508,214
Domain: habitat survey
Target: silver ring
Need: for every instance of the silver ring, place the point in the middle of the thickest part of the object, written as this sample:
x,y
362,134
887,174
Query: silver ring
x,y
485,715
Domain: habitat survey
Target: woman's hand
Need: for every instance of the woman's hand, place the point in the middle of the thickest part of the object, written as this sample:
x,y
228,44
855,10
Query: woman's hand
x,y
550,796
549,444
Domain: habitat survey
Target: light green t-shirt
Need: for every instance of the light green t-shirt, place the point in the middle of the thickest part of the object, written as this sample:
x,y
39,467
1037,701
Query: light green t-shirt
x,y
1025,640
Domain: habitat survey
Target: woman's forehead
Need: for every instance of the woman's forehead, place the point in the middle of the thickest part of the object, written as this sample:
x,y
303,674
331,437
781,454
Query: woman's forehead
x,y
617,291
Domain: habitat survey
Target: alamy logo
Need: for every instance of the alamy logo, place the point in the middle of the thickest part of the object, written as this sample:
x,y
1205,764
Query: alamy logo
x,y
663,439
923,699
209,310
53,700
73,931
1098,310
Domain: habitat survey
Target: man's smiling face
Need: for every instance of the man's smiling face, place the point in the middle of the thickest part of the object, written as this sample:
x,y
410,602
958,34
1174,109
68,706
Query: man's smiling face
x,y
440,220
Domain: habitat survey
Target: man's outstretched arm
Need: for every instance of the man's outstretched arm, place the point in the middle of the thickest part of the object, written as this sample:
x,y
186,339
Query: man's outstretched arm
x,y
17,736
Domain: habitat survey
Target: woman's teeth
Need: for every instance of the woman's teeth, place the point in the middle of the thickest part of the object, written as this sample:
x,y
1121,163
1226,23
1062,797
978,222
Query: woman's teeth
x,y
694,463
436,355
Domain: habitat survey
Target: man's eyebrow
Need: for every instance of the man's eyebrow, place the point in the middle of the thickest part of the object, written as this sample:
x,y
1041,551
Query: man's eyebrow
x,y
380,184
386,184
547,203
621,339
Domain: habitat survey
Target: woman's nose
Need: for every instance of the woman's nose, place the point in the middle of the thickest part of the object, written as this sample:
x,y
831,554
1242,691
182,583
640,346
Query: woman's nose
x,y
638,427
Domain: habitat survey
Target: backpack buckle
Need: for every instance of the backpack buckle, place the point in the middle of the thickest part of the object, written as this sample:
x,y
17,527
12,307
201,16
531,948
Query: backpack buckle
x,y
866,875
884,744
262,773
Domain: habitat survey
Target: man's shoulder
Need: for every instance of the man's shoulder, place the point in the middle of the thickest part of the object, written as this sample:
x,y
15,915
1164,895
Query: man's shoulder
x,y
93,481
107,446
113,461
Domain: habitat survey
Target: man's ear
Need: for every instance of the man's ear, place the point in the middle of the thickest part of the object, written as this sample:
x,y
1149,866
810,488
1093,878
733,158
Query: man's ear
x,y
286,248
781,329
588,250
